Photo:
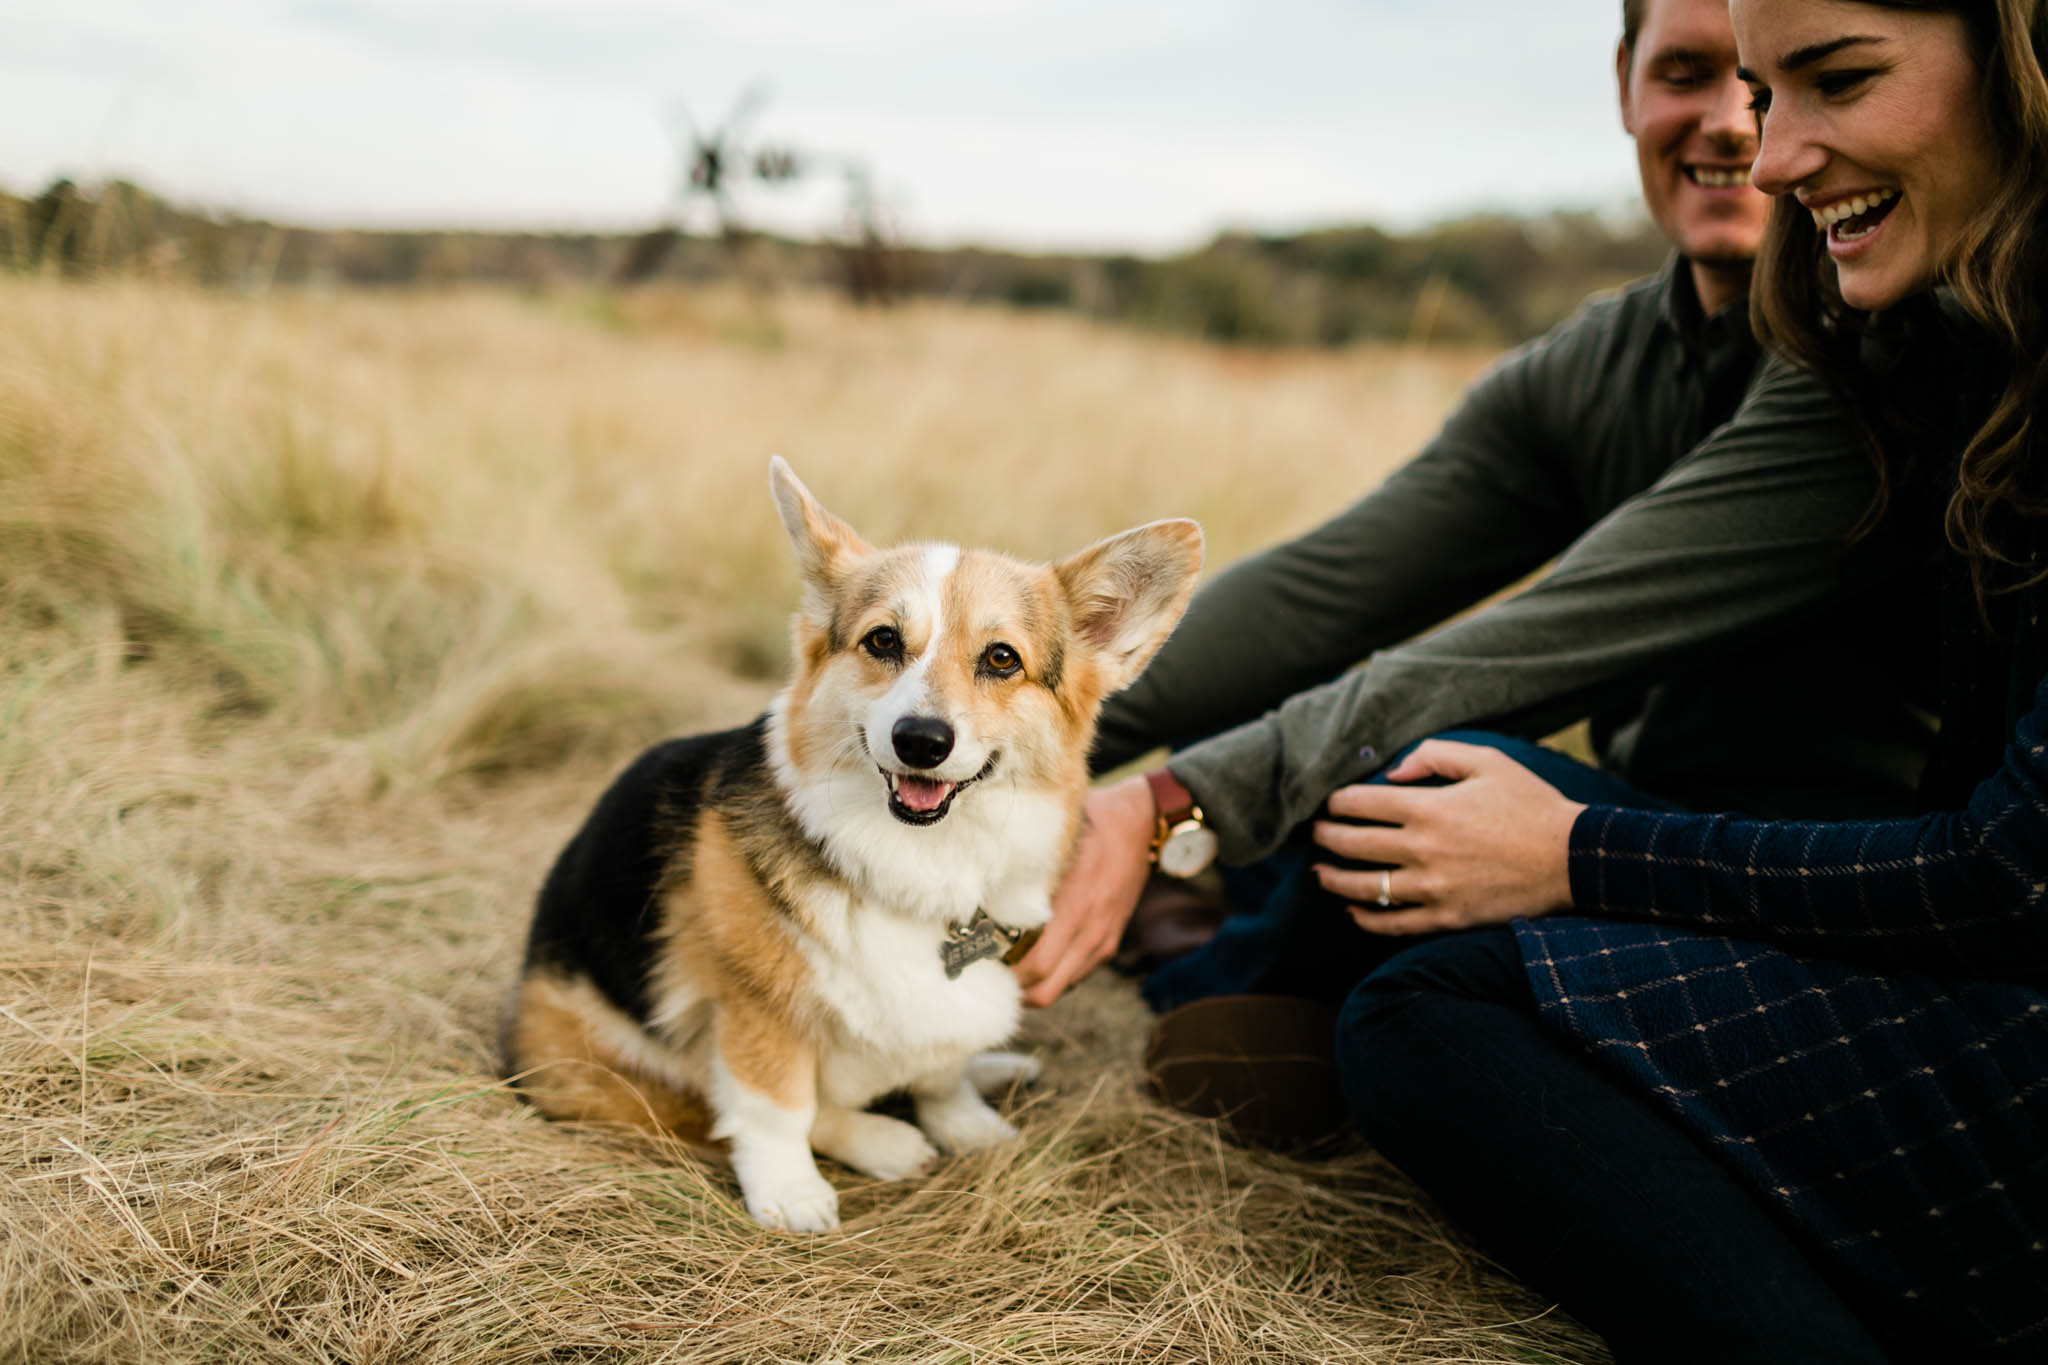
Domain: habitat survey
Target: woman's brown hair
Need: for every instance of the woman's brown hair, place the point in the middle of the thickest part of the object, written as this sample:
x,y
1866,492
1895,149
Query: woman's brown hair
x,y
1999,272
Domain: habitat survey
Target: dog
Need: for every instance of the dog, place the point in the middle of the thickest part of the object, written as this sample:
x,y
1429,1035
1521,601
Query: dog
x,y
758,933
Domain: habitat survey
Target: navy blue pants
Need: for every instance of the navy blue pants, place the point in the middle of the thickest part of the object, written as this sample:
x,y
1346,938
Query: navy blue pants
x,y
1572,1181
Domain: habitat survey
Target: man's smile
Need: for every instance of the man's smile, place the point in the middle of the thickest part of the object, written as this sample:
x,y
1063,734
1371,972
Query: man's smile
x,y
1717,177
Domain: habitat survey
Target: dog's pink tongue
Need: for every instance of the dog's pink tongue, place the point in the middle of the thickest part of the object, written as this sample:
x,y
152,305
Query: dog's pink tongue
x,y
920,793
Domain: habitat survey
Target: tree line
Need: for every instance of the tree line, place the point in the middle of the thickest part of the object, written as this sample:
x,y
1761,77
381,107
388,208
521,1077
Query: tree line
x,y
1487,279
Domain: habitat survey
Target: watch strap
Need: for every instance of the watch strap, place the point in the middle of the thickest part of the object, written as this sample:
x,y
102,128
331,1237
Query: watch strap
x,y
1173,806
1170,799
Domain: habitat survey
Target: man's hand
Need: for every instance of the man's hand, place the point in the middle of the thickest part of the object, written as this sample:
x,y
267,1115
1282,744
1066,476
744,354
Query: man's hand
x,y
1095,900
1493,845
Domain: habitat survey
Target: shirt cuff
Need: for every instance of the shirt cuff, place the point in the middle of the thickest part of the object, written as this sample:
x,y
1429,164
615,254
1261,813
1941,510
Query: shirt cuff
x,y
1609,860
1231,778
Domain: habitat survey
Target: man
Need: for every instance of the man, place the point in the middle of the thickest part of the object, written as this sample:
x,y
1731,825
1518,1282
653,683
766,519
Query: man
x,y
1710,607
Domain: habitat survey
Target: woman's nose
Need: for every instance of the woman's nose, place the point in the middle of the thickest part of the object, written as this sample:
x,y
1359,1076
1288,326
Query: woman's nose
x,y
1787,155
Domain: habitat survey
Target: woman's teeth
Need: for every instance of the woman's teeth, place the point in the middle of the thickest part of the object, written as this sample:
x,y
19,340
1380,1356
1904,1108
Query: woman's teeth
x,y
1843,210
1718,177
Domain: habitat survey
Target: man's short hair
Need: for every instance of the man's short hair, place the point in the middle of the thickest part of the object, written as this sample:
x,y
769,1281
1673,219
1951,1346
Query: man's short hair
x,y
1632,21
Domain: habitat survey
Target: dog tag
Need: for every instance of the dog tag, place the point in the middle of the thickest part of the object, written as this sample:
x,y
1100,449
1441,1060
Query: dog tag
x,y
966,945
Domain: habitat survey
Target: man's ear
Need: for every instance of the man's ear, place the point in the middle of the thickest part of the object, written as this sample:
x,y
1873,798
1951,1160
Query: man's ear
x,y
1128,592
1624,58
823,542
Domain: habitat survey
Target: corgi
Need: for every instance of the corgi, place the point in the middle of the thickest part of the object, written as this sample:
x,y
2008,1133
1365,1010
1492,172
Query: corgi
x,y
758,933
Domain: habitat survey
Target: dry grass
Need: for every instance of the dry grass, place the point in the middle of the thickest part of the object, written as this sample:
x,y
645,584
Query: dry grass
x,y
322,618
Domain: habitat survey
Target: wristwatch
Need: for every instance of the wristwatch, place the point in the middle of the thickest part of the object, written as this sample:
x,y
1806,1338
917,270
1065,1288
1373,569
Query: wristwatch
x,y
1182,844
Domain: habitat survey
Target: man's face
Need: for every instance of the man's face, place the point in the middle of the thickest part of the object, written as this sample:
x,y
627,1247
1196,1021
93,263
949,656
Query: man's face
x,y
1695,135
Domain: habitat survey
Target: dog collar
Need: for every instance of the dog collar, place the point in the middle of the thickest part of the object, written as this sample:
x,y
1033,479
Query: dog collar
x,y
967,944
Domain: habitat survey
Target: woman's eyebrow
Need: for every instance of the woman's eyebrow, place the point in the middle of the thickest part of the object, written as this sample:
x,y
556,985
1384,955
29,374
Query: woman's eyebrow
x,y
1813,52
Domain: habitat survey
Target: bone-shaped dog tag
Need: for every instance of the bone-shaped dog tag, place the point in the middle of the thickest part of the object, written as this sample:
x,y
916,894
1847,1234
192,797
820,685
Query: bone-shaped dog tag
x,y
969,944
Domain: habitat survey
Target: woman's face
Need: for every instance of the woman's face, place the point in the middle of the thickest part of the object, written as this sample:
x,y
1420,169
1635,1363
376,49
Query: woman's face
x,y
1872,119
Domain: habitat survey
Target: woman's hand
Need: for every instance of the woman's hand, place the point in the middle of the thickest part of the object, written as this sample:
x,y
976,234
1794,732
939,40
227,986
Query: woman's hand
x,y
1096,897
1491,846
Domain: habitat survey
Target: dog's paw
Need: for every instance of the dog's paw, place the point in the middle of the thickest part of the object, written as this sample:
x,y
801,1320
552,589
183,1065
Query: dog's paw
x,y
876,1145
991,1073
795,1204
964,1124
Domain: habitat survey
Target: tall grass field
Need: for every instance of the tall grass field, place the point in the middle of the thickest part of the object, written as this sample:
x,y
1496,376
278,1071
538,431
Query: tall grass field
x,y
324,616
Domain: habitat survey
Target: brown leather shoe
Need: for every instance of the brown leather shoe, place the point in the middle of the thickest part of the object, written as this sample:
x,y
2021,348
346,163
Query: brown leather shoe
x,y
1263,1064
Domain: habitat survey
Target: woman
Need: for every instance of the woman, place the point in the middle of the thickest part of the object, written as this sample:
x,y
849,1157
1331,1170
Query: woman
x,y
1752,1091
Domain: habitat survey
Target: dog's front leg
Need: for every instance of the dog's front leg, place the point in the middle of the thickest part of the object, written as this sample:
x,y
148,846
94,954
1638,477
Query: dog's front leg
x,y
764,1085
954,1115
873,1144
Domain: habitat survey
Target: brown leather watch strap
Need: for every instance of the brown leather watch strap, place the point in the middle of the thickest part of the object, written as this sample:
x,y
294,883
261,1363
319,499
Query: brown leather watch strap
x,y
1173,802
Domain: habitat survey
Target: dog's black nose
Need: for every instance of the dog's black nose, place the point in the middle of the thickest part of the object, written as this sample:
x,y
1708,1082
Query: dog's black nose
x,y
922,741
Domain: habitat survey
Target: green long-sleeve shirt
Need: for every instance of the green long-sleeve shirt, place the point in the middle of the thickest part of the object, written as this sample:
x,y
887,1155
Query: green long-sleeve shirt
x,y
1707,607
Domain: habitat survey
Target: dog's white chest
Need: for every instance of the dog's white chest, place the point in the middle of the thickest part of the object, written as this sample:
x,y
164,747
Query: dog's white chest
x,y
896,1013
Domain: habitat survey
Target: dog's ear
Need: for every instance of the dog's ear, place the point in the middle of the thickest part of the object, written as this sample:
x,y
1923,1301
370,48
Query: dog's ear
x,y
823,542
1128,592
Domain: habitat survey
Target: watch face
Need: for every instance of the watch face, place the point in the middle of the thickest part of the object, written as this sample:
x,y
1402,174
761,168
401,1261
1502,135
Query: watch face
x,y
1187,850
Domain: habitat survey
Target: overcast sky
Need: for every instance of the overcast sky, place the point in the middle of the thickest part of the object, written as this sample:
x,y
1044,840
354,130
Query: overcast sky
x,y
1036,123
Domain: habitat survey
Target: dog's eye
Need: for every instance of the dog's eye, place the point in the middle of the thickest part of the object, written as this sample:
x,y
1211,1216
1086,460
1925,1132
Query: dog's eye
x,y
883,642
1000,660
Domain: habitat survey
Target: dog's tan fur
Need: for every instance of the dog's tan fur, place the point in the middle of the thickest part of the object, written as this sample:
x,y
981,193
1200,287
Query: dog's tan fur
x,y
556,1046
